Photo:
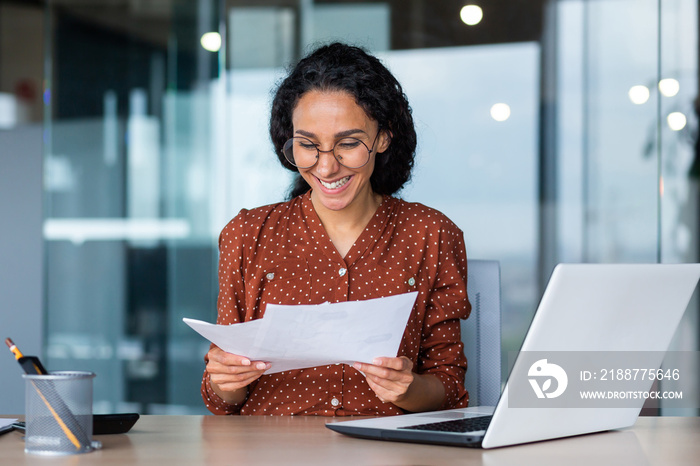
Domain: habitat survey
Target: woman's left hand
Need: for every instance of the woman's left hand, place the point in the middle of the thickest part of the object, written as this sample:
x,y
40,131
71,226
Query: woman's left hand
x,y
389,378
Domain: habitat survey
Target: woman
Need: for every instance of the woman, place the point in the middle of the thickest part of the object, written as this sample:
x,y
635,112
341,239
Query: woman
x,y
341,120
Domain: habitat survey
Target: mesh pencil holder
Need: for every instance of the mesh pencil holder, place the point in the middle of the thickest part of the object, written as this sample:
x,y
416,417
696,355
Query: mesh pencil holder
x,y
58,413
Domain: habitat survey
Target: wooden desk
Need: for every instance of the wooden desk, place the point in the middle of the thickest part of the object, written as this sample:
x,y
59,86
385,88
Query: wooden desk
x,y
236,440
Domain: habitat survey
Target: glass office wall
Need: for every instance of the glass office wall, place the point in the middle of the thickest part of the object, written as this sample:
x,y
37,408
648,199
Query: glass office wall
x,y
627,136
128,167
533,138
679,159
608,170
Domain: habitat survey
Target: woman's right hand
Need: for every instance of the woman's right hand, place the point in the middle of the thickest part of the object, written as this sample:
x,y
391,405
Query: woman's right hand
x,y
230,374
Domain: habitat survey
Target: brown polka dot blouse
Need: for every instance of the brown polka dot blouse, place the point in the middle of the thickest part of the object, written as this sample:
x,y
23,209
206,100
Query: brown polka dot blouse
x,y
281,254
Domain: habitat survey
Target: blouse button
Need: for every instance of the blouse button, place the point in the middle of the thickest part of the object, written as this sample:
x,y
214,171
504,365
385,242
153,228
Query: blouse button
x,y
411,281
335,402
270,276
342,272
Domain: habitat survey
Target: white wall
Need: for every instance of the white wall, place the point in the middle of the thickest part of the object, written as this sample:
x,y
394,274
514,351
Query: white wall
x,y
21,256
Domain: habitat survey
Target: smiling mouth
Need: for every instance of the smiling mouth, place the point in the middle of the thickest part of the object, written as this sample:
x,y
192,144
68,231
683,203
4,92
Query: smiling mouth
x,y
336,184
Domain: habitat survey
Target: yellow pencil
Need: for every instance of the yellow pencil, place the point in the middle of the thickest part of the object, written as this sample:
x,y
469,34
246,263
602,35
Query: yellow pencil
x,y
32,365
13,348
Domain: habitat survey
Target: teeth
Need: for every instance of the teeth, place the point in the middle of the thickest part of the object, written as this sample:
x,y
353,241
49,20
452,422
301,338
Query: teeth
x,y
335,184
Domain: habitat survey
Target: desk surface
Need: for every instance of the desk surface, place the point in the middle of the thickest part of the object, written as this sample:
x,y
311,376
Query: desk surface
x,y
213,440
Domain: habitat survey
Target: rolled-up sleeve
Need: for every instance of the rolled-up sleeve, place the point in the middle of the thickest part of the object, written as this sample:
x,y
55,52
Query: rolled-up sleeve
x,y
231,298
442,350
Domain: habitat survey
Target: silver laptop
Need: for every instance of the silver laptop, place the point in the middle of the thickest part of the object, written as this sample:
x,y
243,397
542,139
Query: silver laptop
x,y
627,313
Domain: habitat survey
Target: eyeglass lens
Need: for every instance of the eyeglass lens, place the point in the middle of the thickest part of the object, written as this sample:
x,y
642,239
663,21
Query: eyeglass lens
x,y
303,153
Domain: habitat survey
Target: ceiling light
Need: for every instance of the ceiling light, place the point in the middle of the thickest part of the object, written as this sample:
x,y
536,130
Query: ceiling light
x,y
471,14
639,94
676,121
211,41
500,112
669,87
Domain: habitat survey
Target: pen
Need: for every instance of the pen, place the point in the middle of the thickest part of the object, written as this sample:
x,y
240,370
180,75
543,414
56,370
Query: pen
x,y
33,366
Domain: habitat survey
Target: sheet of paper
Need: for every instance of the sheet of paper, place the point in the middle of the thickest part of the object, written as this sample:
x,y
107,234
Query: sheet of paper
x,y
236,339
300,336
5,424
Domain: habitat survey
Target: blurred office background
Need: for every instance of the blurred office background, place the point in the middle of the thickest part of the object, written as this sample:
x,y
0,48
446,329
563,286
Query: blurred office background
x,y
131,131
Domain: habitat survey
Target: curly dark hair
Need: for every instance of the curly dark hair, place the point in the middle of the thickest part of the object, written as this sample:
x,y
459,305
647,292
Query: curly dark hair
x,y
342,67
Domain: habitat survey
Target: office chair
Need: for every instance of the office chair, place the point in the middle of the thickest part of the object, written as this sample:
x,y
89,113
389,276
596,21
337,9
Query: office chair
x,y
481,333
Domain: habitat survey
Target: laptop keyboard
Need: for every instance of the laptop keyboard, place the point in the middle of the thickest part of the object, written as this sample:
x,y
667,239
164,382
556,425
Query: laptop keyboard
x,y
469,424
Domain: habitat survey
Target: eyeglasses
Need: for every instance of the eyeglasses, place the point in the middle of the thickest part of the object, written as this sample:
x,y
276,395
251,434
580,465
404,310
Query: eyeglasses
x,y
349,152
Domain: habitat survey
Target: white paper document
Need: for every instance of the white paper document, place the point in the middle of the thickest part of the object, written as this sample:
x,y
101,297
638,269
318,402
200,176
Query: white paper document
x,y
299,336
6,425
